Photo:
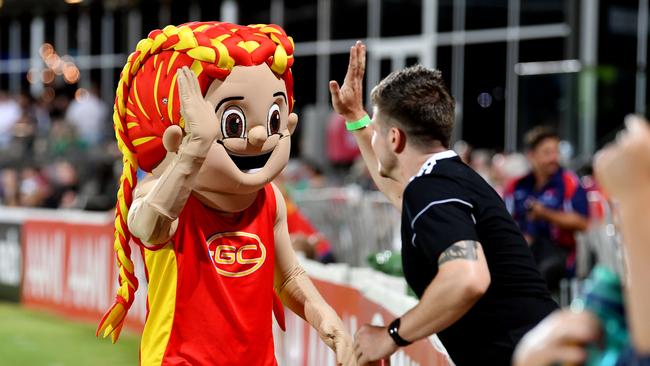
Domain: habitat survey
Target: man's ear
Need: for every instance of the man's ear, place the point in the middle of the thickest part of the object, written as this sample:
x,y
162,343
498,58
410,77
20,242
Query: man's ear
x,y
292,123
397,140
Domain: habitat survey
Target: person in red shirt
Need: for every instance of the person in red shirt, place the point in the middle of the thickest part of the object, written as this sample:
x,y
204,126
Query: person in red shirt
x,y
205,108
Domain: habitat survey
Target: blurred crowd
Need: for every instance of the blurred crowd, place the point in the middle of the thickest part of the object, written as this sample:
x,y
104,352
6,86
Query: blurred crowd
x,y
57,151
551,203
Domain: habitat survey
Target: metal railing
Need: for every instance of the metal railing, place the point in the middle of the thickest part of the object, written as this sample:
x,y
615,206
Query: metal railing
x,y
356,222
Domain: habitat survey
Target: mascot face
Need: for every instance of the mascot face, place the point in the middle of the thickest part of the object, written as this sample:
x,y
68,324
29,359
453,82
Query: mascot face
x,y
253,146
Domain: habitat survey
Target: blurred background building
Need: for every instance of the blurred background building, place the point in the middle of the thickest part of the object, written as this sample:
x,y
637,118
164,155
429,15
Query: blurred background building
x,y
511,64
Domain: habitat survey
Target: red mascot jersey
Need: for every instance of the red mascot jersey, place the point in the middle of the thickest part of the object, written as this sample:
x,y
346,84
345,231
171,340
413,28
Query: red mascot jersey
x,y
211,289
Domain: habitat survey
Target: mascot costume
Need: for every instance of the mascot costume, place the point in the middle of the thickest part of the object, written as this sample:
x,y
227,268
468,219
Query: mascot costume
x,y
205,110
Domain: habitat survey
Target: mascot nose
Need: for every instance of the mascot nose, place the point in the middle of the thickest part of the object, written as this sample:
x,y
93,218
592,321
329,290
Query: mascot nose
x,y
257,136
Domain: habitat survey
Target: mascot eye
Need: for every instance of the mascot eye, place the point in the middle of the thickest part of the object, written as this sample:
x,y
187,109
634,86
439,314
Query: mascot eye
x,y
233,123
274,120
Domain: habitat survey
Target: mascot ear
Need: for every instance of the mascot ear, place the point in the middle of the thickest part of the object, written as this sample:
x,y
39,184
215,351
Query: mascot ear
x,y
172,138
293,122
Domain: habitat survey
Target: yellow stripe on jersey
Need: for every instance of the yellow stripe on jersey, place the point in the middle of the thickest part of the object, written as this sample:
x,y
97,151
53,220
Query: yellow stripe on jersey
x,y
162,268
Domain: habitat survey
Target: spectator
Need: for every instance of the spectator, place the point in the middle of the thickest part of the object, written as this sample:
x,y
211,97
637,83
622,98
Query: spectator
x,y
9,187
10,113
34,189
480,160
624,172
88,115
305,238
65,186
24,130
301,174
505,168
342,150
550,206
62,139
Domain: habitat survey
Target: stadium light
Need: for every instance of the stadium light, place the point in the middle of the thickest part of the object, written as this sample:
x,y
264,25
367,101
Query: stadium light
x,y
72,1
548,67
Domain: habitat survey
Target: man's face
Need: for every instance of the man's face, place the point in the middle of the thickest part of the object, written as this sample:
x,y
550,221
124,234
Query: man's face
x,y
386,158
545,158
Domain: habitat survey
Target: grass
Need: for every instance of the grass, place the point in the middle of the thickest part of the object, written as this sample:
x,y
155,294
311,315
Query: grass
x,y
33,338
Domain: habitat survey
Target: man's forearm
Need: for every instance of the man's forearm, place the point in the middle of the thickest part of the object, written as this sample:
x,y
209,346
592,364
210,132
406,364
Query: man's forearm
x,y
445,301
390,188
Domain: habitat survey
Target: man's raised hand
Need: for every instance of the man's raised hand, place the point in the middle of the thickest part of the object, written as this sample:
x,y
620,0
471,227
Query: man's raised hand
x,y
347,100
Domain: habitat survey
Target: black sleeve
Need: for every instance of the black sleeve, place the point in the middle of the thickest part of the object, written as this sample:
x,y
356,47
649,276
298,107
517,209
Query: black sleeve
x,y
440,224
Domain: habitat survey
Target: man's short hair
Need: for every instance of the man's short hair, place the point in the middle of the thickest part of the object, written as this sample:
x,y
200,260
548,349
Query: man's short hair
x,y
420,103
538,134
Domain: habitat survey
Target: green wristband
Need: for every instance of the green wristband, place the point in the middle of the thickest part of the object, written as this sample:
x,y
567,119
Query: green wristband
x,y
357,125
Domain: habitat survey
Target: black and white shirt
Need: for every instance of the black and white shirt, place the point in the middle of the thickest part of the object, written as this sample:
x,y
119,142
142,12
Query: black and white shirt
x,y
447,202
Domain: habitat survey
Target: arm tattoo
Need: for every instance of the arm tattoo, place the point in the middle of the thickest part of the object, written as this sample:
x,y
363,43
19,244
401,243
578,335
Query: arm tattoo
x,y
465,249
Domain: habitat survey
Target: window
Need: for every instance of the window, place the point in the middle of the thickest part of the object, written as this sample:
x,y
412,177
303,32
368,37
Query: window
x,y
545,11
349,19
482,14
483,97
401,18
300,20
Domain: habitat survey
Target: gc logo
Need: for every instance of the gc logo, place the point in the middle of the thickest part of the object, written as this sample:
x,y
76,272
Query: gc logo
x,y
236,254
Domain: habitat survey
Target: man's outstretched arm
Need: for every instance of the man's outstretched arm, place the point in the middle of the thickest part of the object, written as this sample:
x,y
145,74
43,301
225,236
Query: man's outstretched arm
x,y
462,279
347,101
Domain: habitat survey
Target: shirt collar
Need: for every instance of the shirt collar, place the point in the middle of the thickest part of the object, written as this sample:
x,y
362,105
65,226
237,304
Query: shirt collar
x,y
431,162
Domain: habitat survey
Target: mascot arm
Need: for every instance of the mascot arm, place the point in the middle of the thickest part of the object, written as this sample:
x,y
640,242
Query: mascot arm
x,y
157,205
158,201
298,293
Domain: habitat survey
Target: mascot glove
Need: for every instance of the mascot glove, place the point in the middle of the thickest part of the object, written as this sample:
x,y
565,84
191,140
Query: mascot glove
x,y
201,125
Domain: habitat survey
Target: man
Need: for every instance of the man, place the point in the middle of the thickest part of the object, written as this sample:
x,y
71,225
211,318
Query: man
x,y
550,205
462,252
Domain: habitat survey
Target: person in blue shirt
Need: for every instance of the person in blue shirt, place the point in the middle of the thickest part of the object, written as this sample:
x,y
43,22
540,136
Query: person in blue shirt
x,y
549,205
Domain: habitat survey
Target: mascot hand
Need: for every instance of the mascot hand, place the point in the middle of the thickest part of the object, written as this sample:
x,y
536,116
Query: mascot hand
x,y
201,125
334,335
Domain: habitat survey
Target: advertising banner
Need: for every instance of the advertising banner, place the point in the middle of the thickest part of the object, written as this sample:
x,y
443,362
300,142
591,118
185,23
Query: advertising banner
x,y
70,268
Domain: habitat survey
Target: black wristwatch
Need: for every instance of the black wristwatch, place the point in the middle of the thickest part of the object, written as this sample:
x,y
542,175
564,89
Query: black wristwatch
x,y
392,331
